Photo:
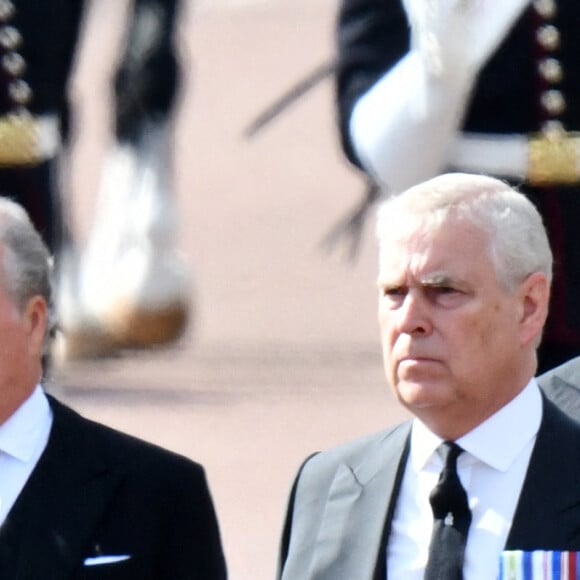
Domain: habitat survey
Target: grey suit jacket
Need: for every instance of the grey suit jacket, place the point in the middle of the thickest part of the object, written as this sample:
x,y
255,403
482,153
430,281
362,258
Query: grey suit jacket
x,y
342,502
562,385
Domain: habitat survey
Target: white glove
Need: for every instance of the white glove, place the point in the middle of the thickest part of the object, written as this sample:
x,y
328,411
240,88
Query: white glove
x,y
457,37
403,128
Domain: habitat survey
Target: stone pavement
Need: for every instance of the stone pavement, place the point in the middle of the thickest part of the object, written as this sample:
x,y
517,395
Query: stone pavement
x,y
283,357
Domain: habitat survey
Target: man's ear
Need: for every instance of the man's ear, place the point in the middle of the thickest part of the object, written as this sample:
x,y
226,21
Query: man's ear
x,y
35,318
534,295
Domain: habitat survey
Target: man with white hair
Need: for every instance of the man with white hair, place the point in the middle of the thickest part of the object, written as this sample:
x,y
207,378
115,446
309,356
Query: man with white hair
x,y
486,478
479,86
78,499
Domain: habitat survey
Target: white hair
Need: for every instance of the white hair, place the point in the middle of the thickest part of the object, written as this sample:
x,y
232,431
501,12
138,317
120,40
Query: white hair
x,y
517,240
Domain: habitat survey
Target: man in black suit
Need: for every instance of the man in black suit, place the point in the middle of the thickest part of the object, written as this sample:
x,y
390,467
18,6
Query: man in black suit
x,y
479,86
78,499
464,284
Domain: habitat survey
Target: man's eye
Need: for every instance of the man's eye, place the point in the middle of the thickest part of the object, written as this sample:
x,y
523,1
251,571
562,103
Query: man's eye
x,y
393,292
445,290
444,295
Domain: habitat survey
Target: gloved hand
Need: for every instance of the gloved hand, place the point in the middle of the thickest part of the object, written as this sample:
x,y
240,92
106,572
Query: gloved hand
x,y
457,37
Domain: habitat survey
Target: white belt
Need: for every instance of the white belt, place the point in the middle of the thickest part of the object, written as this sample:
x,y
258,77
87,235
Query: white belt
x,y
27,139
539,159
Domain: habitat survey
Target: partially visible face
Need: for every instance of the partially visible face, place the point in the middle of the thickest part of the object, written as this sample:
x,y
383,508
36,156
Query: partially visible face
x,y
21,337
450,332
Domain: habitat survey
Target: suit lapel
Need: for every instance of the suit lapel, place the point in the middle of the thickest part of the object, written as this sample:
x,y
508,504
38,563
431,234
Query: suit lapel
x,y
47,532
548,513
350,543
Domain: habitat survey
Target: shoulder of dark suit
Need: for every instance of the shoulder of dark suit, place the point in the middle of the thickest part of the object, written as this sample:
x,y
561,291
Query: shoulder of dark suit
x,y
86,435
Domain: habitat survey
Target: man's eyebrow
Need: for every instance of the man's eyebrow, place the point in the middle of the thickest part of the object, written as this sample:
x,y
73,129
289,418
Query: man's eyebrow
x,y
433,280
437,279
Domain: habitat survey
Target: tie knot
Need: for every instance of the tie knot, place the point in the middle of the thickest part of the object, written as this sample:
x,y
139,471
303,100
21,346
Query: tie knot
x,y
448,495
449,452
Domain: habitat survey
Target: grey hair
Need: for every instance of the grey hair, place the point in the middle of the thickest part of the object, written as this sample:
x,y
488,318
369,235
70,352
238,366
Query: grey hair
x,y
517,240
26,264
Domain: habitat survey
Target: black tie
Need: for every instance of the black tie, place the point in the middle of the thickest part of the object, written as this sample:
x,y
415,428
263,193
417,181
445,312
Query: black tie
x,y
452,518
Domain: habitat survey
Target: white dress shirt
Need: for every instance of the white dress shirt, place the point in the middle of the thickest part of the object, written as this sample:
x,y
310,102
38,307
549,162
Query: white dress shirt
x,y
492,470
23,438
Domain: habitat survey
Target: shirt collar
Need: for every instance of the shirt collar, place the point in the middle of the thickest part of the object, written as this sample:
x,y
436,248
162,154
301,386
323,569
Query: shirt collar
x,y
19,435
495,441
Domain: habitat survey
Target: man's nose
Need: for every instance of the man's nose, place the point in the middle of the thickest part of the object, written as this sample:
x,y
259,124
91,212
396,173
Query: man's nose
x,y
414,315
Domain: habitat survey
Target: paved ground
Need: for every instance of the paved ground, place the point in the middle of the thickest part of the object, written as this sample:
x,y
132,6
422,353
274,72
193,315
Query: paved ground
x,y
283,357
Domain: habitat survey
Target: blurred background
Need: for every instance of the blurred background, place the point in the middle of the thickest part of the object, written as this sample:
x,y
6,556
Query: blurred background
x,y
282,356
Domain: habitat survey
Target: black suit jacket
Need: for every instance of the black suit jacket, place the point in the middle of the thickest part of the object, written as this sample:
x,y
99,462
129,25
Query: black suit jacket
x,y
98,492
341,508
